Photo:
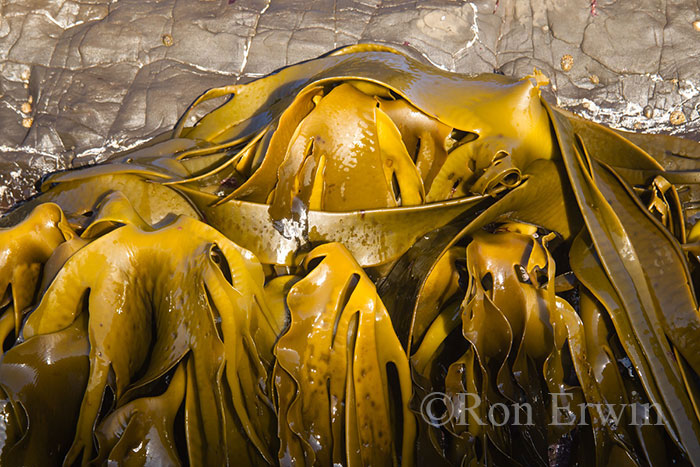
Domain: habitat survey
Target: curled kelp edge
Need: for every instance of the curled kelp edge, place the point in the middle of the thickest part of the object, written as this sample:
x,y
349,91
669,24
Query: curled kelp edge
x,y
612,174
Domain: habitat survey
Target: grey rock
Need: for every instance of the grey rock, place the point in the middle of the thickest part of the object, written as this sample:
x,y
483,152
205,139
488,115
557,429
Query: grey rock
x,y
102,78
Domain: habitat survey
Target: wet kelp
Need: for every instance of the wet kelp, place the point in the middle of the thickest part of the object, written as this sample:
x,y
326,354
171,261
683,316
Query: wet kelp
x,y
360,260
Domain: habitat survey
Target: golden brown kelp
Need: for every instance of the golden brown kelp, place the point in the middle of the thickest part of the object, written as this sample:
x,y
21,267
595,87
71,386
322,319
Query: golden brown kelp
x,y
43,380
342,378
149,310
25,249
360,259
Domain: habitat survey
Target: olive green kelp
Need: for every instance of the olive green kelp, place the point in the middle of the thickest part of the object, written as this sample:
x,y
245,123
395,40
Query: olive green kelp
x,y
360,260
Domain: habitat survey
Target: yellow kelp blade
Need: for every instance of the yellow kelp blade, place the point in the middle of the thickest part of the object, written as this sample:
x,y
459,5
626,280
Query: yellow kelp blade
x,y
237,158
474,167
529,202
276,291
611,442
374,237
658,302
662,200
149,305
346,144
106,169
261,183
637,167
640,384
506,316
142,431
341,377
672,152
611,439
426,139
157,161
43,378
679,158
441,287
405,286
79,199
24,249
507,270
519,333
400,172
113,211
469,103
599,332
342,128
608,145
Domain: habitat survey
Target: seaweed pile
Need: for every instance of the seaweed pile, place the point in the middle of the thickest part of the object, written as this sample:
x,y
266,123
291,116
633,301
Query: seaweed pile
x,y
289,280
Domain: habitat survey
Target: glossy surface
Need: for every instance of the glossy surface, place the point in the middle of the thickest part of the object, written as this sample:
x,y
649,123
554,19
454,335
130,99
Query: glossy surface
x,y
333,369
287,281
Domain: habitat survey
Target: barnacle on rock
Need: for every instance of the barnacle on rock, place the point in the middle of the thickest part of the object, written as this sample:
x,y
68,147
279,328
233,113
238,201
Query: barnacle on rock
x,y
360,260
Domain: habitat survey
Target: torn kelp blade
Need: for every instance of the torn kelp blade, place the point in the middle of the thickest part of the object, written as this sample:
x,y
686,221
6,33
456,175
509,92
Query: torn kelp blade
x,y
374,237
154,297
469,103
530,203
338,401
143,429
612,231
24,249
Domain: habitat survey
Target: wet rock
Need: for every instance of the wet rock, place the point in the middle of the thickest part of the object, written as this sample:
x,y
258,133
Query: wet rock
x,y
104,75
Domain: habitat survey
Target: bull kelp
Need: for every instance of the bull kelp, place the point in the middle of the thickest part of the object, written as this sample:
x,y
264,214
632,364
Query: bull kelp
x,y
360,260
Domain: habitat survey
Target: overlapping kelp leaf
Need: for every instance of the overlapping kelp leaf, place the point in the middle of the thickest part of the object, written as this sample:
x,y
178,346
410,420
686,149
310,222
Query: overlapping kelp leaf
x,y
142,431
42,381
649,271
79,199
155,299
517,329
379,232
362,129
342,378
24,250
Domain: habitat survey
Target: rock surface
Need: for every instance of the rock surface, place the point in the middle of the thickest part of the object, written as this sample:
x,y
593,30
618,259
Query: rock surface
x,y
80,79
